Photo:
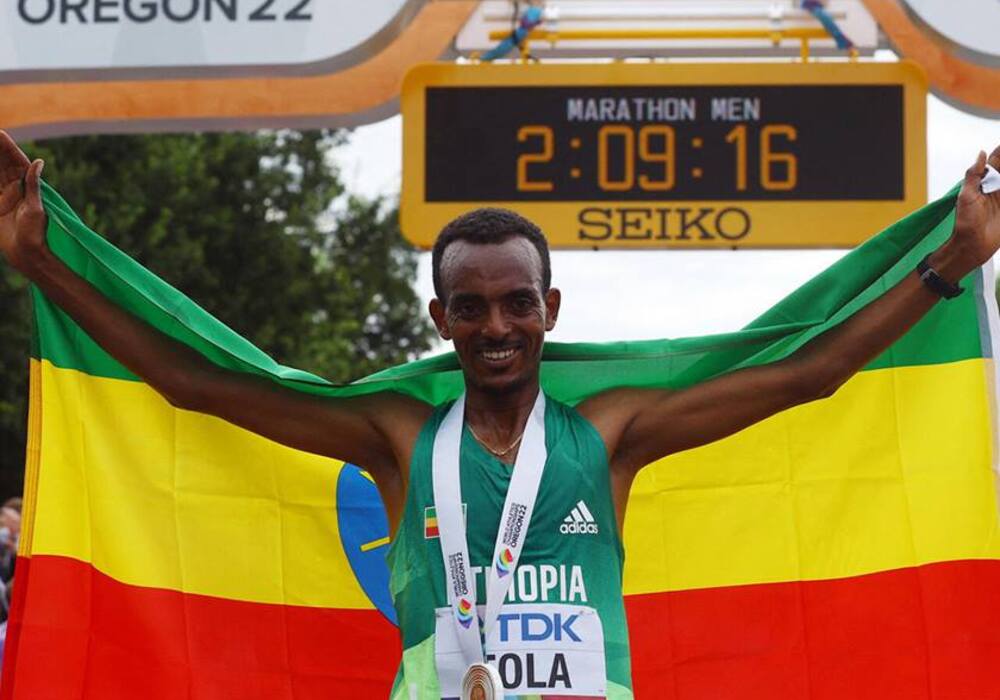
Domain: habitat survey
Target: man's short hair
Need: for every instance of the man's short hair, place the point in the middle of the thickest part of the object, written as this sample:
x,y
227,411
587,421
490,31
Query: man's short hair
x,y
485,226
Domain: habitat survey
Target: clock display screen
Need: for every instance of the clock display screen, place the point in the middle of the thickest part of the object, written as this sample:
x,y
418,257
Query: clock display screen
x,y
635,143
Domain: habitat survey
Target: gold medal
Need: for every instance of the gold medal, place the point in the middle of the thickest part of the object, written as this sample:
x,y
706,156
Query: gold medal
x,y
481,682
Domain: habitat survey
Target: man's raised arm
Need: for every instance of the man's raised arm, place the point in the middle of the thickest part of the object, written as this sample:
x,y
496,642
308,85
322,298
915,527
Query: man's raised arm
x,y
641,426
377,431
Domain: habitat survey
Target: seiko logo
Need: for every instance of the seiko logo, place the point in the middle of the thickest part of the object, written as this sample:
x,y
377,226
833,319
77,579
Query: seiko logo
x,y
580,521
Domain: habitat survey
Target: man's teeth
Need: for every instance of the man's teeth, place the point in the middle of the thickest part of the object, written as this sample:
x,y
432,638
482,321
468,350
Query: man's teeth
x,y
497,355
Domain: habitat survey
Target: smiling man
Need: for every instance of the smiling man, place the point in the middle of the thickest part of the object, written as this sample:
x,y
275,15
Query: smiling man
x,y
505,505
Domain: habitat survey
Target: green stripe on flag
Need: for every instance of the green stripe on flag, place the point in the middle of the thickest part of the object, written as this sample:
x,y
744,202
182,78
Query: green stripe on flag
x,y
571,372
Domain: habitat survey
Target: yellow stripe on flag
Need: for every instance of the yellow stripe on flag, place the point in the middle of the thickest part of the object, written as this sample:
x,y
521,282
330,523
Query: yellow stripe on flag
x,y
154,496
865,481
31,461
858,483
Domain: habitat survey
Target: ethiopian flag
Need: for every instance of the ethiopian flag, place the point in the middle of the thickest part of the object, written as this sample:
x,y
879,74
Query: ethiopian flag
x,y
843,549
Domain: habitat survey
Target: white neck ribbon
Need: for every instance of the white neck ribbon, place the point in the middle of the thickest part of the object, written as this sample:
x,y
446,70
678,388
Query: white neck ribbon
x,y
514,520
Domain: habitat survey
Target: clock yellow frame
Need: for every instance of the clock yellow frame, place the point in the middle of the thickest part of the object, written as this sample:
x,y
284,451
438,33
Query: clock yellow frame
x,y
773,224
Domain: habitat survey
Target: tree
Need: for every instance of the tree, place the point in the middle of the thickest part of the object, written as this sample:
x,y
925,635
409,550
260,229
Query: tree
x,y
15,331
257,229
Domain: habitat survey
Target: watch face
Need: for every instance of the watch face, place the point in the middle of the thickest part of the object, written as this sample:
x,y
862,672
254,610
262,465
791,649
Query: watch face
x,y
967,28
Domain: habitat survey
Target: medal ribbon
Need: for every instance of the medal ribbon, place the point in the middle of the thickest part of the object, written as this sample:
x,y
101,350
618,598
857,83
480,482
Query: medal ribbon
x,y
513,530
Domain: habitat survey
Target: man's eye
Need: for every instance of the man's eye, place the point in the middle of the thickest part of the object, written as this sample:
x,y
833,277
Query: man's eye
x,y
467,310
523,305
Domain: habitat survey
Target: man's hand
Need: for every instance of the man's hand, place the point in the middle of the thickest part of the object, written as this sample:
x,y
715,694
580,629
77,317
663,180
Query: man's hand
x,y
377,431
640,426
976,236
22,218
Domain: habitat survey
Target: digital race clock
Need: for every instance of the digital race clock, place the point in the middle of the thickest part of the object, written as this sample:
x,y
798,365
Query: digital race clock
x,y
667,155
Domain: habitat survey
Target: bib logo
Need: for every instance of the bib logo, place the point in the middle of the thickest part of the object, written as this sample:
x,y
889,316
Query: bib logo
x,y
537,627
580,521
504,559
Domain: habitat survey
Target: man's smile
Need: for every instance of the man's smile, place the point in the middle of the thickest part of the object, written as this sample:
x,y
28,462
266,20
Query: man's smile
x,y
498,356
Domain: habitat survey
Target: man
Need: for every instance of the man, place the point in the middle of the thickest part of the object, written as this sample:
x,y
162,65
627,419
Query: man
x,y
494,301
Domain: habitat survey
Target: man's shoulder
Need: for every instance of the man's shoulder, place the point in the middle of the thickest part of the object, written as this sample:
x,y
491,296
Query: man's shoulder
x,y
565,419
610,412
611,404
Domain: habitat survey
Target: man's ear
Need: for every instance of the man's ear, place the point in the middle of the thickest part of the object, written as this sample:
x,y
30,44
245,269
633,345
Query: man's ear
x,y
436,308
553,299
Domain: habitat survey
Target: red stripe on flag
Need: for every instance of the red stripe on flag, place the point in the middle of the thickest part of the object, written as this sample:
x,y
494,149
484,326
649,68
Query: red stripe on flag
x,y
10,646
89,636
931,632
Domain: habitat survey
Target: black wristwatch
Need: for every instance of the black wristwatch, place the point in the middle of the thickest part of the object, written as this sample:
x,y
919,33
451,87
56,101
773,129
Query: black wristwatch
x,y
934,281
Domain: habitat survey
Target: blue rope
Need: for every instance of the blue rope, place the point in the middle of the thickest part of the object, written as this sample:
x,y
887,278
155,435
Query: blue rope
x,y
816,8
531,18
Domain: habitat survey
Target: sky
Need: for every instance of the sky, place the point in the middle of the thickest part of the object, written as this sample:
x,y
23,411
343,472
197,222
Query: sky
x,y
624,295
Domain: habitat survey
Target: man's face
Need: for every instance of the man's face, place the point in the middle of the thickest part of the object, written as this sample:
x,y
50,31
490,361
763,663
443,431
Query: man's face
x,y
495,312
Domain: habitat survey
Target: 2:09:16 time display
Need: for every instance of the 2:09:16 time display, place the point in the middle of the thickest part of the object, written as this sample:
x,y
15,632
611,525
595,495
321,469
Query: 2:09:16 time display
x,y
529,144
626,158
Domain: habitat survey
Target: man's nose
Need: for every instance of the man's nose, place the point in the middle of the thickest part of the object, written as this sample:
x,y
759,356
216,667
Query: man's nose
x,y
496,325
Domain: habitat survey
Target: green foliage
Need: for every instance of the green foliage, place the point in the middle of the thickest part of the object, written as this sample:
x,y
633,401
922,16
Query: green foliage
x,y
15,332
257,229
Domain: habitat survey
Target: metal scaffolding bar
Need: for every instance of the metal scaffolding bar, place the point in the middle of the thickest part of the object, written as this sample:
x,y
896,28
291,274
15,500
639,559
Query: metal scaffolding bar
x,y
775,36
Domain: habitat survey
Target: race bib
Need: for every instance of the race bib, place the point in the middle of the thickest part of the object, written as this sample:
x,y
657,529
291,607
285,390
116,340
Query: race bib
x,y
539,649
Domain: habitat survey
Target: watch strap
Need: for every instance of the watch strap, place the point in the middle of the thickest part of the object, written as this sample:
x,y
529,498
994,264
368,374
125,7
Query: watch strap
x,y
934,281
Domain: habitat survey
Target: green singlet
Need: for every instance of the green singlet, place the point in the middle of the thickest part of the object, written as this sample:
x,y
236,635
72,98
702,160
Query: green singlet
x,y
571,566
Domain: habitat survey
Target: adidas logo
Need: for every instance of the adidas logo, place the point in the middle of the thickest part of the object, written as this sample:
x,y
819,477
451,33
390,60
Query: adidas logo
x,y
580,521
